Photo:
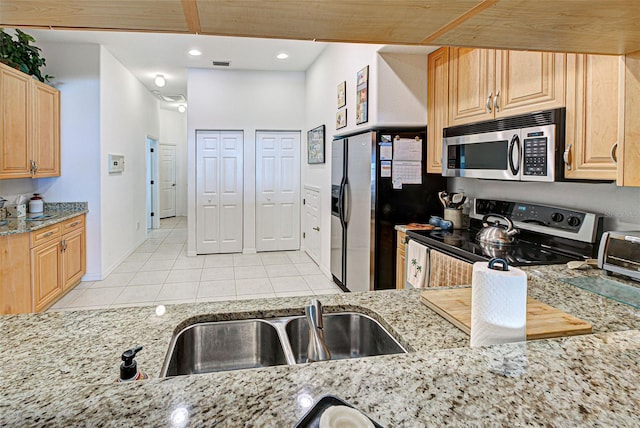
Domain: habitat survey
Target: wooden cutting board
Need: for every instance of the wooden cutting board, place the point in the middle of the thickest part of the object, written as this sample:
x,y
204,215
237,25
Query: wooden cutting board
x,y
543,321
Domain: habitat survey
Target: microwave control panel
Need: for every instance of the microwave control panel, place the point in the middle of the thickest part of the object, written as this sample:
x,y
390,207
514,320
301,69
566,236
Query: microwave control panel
x,y
535,154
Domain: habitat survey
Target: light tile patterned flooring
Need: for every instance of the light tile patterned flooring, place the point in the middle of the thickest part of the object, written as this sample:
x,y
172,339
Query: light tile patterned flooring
x,y
159,272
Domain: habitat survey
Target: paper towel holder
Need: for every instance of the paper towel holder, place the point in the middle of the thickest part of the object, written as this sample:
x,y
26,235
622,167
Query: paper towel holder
x,y
493,261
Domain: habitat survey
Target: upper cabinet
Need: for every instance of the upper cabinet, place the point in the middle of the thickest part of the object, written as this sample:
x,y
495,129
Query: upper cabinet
x,y
15,121
437,107
29,126
487,84
595,116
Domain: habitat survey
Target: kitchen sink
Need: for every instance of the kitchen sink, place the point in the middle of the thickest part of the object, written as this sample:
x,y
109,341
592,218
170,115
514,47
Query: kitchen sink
x,y
347,335
243,344
225,345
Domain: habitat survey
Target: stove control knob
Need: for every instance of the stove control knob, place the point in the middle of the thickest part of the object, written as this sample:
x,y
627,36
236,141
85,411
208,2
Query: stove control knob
x,y
557,217
573,221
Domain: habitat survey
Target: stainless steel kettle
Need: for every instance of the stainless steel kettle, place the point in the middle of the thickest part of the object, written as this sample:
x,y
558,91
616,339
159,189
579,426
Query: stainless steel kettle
x,y
496,233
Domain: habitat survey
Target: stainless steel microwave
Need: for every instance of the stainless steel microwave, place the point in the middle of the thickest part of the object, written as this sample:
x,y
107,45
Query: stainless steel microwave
x,y
520,148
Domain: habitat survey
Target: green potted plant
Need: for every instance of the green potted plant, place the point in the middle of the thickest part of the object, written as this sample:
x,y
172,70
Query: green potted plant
x,y
20,54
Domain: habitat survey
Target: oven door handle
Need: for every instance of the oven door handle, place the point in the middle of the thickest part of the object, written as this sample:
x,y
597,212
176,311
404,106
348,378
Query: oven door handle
x,y
515,168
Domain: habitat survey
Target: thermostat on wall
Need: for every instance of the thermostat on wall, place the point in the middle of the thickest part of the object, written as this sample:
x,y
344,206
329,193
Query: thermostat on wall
x,y
116,163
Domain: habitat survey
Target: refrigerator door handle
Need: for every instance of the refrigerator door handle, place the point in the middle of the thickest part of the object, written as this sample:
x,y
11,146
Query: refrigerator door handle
x,y
341,204
347,202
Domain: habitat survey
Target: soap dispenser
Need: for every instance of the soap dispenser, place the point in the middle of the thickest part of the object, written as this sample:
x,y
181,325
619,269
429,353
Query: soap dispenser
x,y
129,368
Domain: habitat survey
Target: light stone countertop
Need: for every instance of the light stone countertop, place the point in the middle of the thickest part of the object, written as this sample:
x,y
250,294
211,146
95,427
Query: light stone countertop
x,y
58,368
60,211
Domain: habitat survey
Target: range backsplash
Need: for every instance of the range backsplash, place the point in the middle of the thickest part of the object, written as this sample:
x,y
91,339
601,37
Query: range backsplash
x,y
619,205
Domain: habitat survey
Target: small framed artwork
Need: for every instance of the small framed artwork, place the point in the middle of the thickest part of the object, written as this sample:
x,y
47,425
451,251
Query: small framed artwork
x,y
362,100
342,94
341,119
315,145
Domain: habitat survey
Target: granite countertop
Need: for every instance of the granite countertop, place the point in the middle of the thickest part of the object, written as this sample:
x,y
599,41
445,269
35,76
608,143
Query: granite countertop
x,y
59,211
58,368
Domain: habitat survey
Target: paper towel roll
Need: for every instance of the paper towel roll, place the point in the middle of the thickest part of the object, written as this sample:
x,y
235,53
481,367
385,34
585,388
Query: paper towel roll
x,y
498,304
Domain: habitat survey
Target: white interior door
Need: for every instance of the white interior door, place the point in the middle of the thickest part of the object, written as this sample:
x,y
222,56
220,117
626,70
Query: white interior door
x,y
167,180
277,191
311,235
219,206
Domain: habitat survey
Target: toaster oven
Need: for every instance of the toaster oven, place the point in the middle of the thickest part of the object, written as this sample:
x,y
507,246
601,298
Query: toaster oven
x,y
619,253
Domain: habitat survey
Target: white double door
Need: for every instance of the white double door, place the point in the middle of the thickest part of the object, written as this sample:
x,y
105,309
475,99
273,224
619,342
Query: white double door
x,y
277,191
219,191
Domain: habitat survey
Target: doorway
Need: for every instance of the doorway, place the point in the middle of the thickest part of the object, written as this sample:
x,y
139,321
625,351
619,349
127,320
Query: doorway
x,y
153,221
277,190
167,180
219,191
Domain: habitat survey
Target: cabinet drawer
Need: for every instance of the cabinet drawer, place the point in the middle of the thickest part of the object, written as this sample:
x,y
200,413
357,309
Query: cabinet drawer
x,y
400,237
46,234
73,224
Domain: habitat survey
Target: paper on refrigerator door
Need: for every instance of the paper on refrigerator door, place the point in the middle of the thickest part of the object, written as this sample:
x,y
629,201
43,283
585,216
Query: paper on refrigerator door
x,y
407,149
406,172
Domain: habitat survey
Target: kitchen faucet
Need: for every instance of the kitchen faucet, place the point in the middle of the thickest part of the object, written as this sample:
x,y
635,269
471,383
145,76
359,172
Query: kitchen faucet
x,y
317,349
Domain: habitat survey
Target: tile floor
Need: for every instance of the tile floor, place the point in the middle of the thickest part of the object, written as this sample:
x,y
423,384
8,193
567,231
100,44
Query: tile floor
x,y
159,272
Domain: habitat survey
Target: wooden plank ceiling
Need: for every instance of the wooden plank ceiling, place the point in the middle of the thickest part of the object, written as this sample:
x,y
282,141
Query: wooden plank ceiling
x,y
594,26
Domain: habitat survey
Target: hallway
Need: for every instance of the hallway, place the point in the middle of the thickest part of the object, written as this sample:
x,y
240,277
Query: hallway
x,y
159,272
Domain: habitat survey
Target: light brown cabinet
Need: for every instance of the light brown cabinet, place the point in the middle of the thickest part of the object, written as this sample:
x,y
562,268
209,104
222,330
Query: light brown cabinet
x,y
15,121
46,130
437,107
595,116
40,267
29,126
487,84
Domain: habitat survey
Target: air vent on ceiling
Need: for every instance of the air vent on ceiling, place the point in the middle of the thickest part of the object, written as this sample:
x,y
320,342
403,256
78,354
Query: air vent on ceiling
x,y
221,63
173,98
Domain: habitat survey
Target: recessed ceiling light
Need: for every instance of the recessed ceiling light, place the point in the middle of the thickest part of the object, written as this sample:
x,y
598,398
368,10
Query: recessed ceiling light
x,y
195,52
159,81
182,108
282,55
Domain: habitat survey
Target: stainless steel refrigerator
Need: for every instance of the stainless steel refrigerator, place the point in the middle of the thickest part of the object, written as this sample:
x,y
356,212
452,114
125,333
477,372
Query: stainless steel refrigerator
x,y
365,206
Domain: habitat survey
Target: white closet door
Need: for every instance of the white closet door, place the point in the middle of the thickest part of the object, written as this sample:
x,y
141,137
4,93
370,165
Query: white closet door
x,y
277,191
218,192
167,180
312,222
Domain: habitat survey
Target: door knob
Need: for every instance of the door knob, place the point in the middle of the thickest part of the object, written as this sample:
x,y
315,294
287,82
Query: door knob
x,y
316,228
174,184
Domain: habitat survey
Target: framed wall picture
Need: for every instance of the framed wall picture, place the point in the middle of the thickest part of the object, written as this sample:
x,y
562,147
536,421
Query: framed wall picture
x,y
315,145
342,94
341,119
362,96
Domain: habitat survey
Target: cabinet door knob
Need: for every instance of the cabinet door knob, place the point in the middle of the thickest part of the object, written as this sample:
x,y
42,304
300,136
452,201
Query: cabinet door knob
x,y
488,104
567,157
614,153
496,106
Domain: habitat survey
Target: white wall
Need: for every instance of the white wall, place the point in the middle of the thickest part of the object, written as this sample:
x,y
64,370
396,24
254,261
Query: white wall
x,y
402,89
77,75
173,130
247,101
128,114
619,205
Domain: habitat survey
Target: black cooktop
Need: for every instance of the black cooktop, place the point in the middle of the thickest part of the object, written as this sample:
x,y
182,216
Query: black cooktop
x,y
522,252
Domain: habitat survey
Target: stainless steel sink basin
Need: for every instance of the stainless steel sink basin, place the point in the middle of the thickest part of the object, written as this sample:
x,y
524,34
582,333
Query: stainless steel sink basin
x,y
347,335
225,345
242,344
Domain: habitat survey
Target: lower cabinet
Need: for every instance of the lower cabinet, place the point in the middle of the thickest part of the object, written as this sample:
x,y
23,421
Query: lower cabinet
x,y
40,267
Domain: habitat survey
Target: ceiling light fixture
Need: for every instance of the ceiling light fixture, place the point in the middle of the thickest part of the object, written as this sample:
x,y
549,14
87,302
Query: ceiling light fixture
x,y
195,52
182,108
282,55
159,80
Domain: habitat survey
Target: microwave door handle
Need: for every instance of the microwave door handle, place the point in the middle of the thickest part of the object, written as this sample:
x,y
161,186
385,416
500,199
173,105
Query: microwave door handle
x,y
515,168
